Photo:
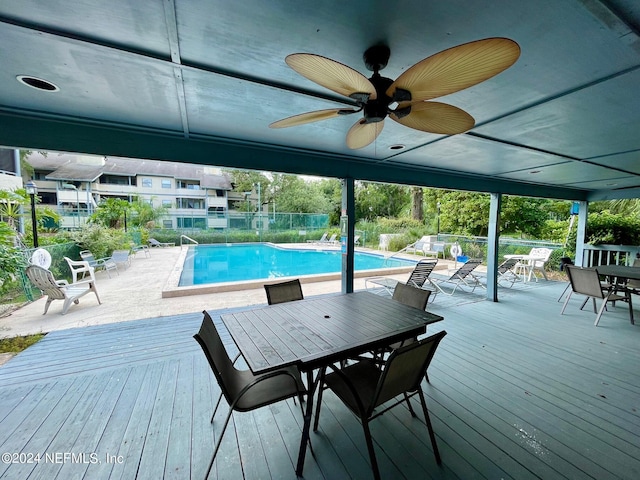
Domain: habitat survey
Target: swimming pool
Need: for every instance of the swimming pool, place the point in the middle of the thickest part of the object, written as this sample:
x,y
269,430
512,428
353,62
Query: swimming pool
x,y
210,264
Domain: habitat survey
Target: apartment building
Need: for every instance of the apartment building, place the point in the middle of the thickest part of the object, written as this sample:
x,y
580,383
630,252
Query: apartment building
x,y
196,196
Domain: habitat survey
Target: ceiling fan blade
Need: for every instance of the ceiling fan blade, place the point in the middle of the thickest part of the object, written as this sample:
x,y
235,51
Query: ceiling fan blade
x,y
362,134
435,117
310,117
331,74
455,69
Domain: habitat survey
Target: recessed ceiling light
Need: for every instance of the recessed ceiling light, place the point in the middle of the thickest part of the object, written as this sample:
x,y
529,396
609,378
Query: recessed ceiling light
x,y
396,147
535,171
37,83
610,184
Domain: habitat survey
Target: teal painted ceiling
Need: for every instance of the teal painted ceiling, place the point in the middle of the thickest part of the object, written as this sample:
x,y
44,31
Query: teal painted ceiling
x,y
199,81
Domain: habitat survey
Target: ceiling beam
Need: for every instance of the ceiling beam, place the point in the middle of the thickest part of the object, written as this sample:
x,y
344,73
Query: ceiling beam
x,y
67,135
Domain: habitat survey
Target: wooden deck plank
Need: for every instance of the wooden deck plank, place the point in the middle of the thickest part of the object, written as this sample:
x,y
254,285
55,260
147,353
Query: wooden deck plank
x,y
517,391
40,428
136,426
156,440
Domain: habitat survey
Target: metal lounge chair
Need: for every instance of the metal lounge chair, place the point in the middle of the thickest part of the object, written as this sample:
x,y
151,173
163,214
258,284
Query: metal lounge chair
x,y
418,246
155,243
363,387
105,264
121,257
322,239
60,289
506,271
419,276
284,292
586,281
243,390
462,276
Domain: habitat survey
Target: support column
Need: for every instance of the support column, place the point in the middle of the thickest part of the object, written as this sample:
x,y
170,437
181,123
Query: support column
x,y
581,234
347,228
492,247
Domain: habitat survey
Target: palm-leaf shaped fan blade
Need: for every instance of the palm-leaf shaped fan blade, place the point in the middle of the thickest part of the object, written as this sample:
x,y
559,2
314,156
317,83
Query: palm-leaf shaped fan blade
x,y
331,74
455,69
310,117
434,117
362,134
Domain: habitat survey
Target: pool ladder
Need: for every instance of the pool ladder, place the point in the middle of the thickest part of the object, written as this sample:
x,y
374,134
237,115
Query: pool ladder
x,y
187,238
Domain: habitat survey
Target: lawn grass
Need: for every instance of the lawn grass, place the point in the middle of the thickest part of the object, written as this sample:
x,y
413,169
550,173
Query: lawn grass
x,y
18,344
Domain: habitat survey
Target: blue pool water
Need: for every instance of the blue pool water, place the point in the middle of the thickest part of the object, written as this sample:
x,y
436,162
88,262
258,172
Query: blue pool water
x,y
231,263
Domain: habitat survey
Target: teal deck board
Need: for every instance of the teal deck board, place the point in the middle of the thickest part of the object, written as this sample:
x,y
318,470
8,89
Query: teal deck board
x,y
135,429
154,452
517,392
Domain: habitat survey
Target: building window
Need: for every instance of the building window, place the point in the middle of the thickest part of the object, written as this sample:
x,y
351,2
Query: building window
x,y
147,183
217,212
167,223
191,203
166,183
167,203
188,222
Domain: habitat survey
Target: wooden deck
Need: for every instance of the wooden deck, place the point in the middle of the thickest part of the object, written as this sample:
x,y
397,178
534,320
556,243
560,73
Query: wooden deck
x,y
517,391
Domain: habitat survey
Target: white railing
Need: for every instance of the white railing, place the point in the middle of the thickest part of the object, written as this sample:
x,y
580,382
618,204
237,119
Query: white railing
x,y
187,238
595,255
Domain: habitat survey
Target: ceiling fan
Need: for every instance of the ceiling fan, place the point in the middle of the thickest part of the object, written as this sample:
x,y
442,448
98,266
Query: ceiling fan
x,y
404,100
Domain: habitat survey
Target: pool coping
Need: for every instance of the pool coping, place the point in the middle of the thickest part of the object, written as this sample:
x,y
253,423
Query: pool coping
x,y
172,288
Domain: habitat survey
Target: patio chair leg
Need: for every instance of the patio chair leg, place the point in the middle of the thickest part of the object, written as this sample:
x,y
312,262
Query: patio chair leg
x,y
372,453
217,447
46,305
406,397
564,305
604,305
427,420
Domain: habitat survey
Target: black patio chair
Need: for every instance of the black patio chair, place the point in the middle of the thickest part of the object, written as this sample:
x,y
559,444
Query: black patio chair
x,y
288,291
243,390
364,386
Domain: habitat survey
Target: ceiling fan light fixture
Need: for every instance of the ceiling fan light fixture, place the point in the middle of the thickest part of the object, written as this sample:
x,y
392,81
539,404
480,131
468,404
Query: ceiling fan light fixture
x,y
37,83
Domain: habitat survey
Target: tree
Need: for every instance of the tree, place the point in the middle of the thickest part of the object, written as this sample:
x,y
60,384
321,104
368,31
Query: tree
x,y
380,200
144,214
417,207
110,212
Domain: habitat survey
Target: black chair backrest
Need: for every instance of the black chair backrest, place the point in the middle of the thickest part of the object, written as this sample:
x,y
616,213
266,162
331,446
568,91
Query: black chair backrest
x,y
585,281
405,368
466,269
421,272
411,296
284,292
216,354
507,265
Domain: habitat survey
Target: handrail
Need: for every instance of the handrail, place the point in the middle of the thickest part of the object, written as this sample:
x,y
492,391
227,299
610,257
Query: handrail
x,y
187,238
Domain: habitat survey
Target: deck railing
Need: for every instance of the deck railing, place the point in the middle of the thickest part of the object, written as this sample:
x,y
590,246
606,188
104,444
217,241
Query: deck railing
x,y
595,255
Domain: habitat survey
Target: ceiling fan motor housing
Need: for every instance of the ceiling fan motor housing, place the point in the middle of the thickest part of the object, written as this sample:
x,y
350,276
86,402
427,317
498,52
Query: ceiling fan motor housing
x,y
376,110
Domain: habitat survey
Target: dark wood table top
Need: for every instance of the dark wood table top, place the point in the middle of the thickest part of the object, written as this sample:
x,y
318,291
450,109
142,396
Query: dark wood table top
x,y
315,332
620,271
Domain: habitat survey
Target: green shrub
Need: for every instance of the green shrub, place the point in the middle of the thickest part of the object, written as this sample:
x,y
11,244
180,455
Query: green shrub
x,y
101,241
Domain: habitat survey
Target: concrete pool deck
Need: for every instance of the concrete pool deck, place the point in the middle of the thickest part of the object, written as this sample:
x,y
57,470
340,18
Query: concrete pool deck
x,y
136,293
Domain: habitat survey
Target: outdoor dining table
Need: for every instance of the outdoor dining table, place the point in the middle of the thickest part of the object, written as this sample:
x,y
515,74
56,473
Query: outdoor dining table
x,y
620,272
317,332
